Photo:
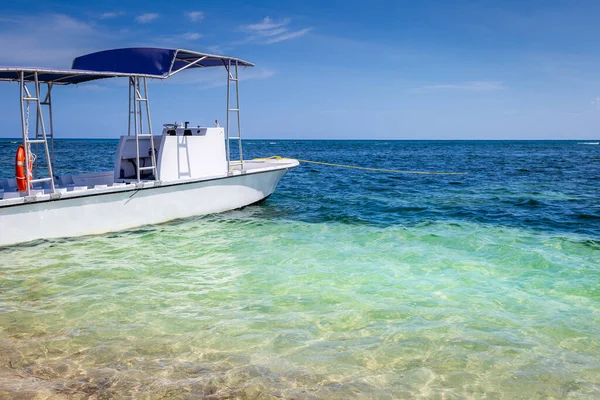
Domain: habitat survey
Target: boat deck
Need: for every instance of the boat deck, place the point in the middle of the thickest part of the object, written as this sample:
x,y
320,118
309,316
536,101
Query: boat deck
x,y
75,185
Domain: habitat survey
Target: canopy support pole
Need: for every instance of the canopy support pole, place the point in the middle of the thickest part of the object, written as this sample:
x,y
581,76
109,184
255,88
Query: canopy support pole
x,y
231,78
47,102
129,114
138,94
227,150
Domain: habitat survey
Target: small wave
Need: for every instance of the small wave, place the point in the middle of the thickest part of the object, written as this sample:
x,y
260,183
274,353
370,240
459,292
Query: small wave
x,y
594,143
346,219
588,216
591,243
530,203
403,209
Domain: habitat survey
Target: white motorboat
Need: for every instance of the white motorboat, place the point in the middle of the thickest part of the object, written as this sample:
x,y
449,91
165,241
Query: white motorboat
x,y
184,171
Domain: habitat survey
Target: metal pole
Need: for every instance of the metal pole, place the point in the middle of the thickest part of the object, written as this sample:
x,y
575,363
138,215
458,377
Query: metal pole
x,y
23,127
41,120
190,64
227,67
129,113
138,95
135,122
37,131
150,130
49,103
239,123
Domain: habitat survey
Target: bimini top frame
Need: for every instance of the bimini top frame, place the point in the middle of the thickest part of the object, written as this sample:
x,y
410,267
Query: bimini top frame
x,y
54,76
152,62
136,64
156,63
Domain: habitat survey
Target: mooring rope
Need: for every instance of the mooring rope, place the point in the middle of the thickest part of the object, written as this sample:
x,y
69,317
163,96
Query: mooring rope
x,y
394,171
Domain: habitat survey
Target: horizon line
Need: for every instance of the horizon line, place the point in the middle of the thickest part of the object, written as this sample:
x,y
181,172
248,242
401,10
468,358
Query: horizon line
x,y
347,139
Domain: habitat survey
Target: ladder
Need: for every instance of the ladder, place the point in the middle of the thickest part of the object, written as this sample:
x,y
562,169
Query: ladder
x,y
26,98
138,106
232,78
38,134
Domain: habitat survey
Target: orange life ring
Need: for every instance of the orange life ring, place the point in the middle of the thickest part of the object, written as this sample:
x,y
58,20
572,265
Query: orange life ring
x,y
20,169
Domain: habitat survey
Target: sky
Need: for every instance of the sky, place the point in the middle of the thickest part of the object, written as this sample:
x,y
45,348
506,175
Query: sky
x,y
527,69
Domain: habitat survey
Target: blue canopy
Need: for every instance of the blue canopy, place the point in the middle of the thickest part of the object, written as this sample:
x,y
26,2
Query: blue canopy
x,y
134,61
54,76
151,62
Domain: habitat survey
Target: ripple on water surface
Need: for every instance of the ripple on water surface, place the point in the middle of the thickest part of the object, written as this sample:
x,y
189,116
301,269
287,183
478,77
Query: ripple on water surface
x,y
344,284
239,306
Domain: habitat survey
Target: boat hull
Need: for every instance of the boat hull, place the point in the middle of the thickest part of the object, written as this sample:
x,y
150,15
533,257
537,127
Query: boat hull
x,y
116,211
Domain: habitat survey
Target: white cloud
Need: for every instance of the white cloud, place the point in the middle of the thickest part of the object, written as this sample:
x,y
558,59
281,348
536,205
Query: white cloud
x,y
146,18
24,40
267,24
195,16
67,23
256,74
112,14
471,86
215,50
289,35
273,32
191,36
596,102
176,40
269,31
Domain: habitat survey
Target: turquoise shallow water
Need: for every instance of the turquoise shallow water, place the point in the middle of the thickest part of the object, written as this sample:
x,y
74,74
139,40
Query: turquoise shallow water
x,y
344,284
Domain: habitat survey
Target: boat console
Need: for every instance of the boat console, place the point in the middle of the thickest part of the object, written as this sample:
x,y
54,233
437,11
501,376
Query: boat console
x,y
182,152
